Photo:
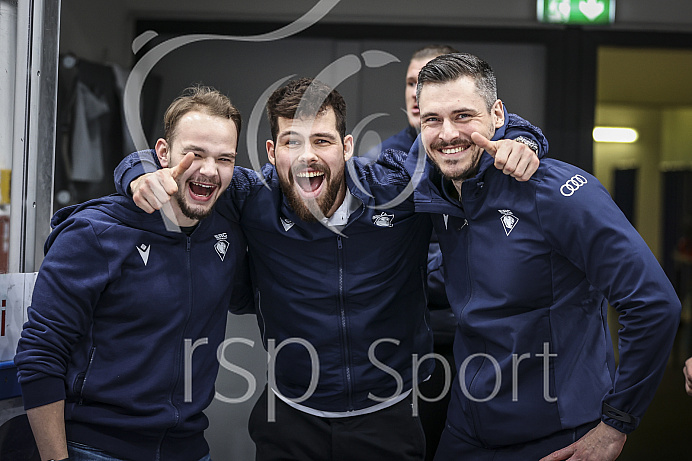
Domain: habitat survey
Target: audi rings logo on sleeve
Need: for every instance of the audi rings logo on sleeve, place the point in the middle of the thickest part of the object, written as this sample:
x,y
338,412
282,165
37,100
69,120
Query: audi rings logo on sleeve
x,y
572,185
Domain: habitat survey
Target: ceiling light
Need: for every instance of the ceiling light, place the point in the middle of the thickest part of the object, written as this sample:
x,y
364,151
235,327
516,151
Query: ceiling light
x,y
614,134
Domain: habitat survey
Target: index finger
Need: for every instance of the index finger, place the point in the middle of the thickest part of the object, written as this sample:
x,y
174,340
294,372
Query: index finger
x,y
484,143
183,165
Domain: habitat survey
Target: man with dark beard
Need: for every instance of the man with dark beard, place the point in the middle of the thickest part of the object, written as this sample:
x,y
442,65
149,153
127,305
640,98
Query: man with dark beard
x,y
104,360
339,283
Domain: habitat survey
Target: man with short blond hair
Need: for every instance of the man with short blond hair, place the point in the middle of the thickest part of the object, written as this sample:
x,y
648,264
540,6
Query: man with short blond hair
x,y
106,360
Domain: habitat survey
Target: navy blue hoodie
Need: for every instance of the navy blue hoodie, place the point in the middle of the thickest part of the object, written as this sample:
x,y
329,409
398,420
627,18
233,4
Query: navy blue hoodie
x,y
125,321
530,269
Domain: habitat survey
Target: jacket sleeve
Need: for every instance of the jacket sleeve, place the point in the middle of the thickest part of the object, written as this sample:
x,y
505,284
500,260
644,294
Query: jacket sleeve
x,y
133,166
69,284
519,129
585,225
244,182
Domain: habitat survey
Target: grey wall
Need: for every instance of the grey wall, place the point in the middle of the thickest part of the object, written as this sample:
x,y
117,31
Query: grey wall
x,y
245,70
90,34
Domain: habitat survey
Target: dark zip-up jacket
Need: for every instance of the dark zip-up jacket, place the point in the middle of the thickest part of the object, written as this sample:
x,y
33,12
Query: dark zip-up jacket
x,y
530,269
124,325
345,309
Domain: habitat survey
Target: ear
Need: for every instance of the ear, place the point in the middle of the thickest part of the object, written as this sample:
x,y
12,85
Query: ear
x,y
270,152
348,147
163,152
498,113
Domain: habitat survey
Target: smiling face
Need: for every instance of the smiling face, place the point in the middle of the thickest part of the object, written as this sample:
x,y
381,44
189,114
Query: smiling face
x,y
310,157
214,141
450,112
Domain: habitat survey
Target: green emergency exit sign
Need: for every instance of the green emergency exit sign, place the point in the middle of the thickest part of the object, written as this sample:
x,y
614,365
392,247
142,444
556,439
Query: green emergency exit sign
x,y
576,11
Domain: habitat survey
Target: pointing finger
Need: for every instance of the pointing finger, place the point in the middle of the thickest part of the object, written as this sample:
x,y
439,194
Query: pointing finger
x,y
183,165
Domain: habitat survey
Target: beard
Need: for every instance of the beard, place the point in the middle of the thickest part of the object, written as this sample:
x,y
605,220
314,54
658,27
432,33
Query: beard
x,y
197,212
444,166
308,209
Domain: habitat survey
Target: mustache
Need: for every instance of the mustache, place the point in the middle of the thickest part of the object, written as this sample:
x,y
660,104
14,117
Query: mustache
x,y
205,180
441,144
324,169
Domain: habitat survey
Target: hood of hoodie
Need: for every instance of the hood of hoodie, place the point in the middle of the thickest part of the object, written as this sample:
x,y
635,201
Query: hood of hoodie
x,y
117,206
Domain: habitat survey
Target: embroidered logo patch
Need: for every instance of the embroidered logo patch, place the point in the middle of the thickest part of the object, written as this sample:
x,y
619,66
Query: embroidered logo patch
x,y
572,185
287,223
143,250
508,220
383,220
221,245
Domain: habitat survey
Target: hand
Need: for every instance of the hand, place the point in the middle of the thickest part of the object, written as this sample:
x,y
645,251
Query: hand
x,y
512,157
152,190
602,443
687,371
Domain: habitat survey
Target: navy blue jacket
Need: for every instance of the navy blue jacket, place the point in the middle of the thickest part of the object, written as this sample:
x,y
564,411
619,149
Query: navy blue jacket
x,y
124,325
358,299
530,269
342,294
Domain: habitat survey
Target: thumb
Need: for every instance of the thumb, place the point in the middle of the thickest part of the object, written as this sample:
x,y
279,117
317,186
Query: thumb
x,y
484,143
562,454
183,165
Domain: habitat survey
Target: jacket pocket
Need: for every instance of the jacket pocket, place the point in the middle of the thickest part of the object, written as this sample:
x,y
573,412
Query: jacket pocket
x,y
81,378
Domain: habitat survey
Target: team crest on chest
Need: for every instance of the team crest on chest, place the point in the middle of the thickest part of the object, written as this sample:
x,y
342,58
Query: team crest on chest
x,y
286,223
509,221
221,245
383,219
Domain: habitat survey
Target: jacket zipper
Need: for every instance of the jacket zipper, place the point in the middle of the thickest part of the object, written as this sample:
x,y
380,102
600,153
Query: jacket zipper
x,y
344,327
176,412
86,374
472,406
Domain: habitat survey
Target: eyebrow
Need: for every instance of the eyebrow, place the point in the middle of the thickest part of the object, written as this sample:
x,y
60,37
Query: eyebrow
x,y
327,135
324,135
454,112
427,114
193,148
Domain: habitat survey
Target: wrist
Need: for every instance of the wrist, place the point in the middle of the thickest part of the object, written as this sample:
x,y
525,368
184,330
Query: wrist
x,y
530,143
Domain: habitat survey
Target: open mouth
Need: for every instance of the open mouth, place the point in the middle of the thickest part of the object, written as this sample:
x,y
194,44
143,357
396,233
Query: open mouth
x,y
201,191
309,182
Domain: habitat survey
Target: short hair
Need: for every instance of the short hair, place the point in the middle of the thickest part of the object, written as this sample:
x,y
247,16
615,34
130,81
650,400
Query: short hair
x,y
432,51
305,98
203,99
451,67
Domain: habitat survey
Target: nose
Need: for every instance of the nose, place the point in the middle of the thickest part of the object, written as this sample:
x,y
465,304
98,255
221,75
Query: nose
x,y
307,155
449,131
208,167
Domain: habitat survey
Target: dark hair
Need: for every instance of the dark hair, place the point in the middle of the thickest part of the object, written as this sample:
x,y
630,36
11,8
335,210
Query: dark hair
x,y
432,51
451,67
305,98
203,99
